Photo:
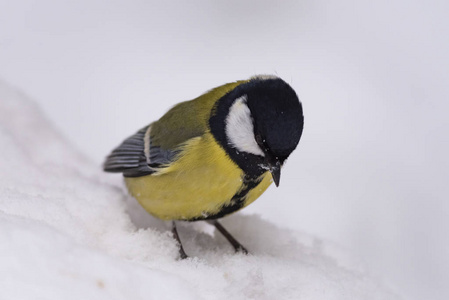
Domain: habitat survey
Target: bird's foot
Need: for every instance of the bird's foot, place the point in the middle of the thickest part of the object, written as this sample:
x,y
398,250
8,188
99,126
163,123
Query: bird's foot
x,y
182,253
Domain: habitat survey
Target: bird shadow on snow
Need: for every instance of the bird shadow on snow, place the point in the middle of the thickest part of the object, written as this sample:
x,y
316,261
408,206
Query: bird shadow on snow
x,y
299,265
259,236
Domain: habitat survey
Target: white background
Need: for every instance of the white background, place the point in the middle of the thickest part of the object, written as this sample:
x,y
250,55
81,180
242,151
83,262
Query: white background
x,y
371,171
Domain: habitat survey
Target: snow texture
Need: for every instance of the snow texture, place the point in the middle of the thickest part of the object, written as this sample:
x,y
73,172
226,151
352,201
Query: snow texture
x,y
69,231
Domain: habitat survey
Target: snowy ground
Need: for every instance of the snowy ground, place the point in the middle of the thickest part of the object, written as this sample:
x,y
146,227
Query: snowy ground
x,y
68,231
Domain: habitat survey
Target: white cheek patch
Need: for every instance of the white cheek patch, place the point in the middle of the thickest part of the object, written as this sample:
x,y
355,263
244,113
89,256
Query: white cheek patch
x,y
240,129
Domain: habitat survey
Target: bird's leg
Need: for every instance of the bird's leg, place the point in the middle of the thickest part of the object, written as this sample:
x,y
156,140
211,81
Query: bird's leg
x,y
237,246
182,253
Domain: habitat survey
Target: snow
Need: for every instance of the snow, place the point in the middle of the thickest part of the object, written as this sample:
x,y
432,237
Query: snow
x,y
69,231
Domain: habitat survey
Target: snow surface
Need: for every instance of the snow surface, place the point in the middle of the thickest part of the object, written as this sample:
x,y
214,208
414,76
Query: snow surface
x,y
69,231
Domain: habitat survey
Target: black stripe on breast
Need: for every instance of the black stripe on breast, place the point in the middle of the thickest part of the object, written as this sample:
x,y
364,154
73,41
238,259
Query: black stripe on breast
x,y
238,200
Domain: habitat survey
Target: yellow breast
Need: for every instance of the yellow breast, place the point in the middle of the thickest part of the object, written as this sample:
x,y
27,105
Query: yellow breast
x,y
196,185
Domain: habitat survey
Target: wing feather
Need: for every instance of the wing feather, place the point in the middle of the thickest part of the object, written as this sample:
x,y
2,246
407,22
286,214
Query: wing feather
x,y
130,157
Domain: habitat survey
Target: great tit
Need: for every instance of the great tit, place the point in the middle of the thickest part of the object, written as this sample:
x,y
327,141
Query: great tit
x,y
211,156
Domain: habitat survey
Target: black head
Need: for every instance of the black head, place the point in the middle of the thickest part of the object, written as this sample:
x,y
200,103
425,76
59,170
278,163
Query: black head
x,y
259,124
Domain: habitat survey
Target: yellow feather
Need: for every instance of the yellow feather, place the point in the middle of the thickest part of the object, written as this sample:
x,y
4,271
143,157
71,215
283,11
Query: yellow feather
x,y
197,184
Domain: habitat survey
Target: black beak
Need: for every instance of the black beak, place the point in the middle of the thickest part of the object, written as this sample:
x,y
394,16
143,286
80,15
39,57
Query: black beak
x,y
275,168
276,174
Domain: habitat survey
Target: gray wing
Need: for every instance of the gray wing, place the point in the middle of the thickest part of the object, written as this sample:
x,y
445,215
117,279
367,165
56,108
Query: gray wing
x,y
136,156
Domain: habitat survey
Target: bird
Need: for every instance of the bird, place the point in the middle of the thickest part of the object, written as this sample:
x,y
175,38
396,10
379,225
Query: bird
x,y
209,157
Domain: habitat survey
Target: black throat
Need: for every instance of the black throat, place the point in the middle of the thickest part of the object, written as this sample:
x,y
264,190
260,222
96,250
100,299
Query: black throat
x,y
237,202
